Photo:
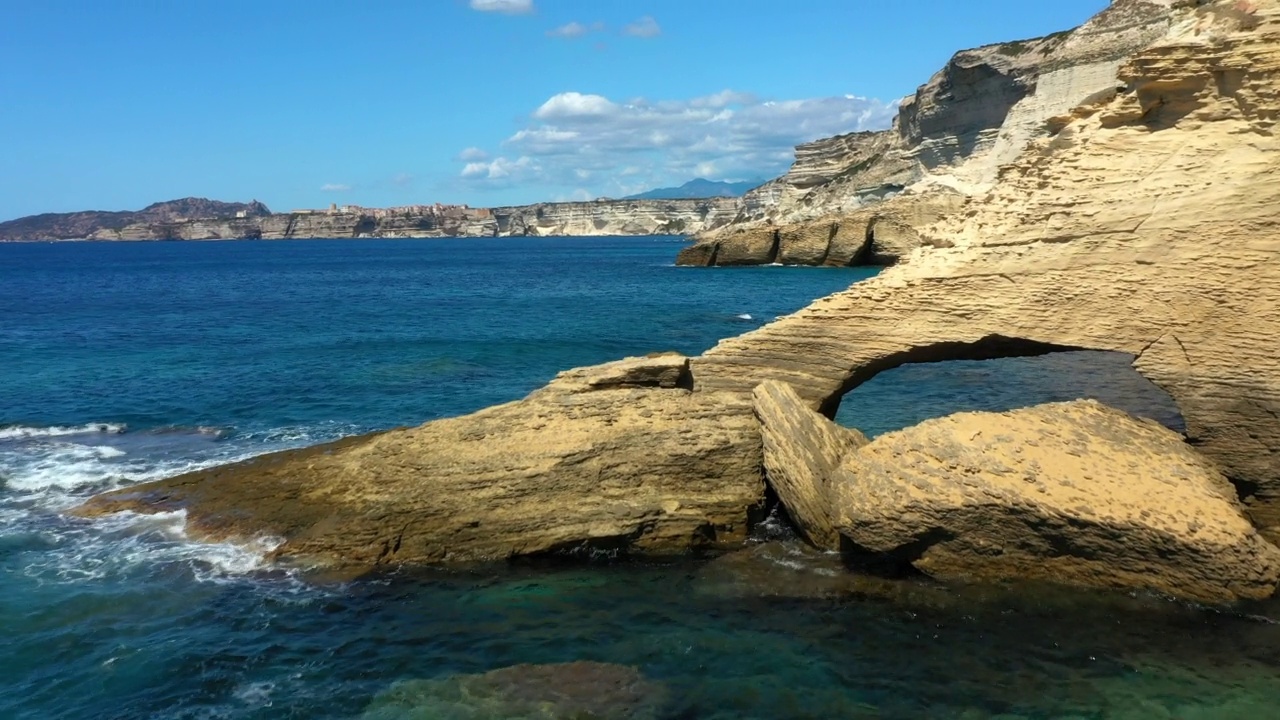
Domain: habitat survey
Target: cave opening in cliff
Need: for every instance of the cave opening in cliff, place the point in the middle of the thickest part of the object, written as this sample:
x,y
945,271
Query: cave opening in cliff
x,y
994,376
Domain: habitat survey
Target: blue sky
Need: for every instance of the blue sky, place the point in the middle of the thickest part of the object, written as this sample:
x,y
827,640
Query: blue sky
x,y
114,104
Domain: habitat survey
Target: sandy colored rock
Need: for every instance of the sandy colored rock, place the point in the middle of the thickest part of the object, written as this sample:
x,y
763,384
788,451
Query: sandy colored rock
x,y
565,691
569,469
881,235
1075,493
1151,232
955,133
801,453
657,371
1147,225
806,244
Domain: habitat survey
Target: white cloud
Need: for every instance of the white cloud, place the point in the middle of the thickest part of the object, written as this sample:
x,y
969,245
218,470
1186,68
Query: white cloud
x,y
616,147
507,7
402,179
472,154
570,30
502,170
334,187
572,105
645,27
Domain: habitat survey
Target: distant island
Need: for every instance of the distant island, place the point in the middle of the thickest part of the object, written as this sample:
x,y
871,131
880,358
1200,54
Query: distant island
x,y
699,188
202,219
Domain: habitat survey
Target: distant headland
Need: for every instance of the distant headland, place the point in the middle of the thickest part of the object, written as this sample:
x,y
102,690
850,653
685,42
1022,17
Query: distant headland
x,y
669,211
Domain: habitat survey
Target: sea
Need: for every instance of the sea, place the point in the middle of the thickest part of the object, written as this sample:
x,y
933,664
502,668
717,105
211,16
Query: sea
x,y
125,362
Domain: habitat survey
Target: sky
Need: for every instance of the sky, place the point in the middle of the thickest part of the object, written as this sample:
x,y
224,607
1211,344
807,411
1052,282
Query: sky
x,y
115,104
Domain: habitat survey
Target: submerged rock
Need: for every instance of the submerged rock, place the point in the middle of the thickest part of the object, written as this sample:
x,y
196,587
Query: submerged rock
x,y
567,691
1075,493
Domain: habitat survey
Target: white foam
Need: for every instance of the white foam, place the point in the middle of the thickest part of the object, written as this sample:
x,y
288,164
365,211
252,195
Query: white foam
x,y
23,432
126,542
745,316
43,474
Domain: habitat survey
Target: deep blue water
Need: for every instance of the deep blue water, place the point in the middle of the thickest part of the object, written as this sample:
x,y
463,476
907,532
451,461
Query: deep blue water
x,y
125,362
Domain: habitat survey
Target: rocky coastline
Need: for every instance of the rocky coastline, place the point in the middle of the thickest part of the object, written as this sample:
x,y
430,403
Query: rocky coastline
x,y
196,219
1139,220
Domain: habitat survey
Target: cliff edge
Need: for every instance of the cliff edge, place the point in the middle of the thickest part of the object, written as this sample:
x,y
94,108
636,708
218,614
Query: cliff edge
x,y
948,141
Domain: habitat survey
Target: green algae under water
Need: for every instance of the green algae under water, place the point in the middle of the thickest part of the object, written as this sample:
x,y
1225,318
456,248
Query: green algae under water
x,y
126,362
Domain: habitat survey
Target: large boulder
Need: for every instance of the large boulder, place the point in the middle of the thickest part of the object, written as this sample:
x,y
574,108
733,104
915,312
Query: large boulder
x,y
614,458
1076,493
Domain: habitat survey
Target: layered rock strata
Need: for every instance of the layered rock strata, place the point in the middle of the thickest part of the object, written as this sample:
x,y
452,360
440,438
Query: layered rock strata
x,y
619,457
879,235
1073,493
1147,226
614,217
802,451
953,135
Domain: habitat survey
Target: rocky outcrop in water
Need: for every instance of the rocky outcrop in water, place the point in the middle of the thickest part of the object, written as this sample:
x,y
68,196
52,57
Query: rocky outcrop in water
x,y
618,457
1074,493
1145,224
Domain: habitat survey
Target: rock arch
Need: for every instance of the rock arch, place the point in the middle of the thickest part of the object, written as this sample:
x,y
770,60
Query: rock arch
x,y
1200,328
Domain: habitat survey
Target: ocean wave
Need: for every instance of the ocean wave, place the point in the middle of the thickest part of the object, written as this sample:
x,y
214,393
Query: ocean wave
x,y
25,432
43,474
127,543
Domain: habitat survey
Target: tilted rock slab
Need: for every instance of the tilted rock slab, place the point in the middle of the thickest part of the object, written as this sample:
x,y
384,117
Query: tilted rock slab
x,y
802,451
1076,493
612,458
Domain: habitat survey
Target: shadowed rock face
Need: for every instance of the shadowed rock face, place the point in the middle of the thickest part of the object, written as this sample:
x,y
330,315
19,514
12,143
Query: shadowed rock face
x,y
1145,225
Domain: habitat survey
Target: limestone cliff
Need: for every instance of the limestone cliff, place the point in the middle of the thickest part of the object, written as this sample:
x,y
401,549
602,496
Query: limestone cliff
x,y
953,135
600,217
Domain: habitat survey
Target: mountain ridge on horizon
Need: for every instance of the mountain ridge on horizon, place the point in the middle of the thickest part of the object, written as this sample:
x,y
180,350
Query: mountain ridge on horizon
x,y
699,188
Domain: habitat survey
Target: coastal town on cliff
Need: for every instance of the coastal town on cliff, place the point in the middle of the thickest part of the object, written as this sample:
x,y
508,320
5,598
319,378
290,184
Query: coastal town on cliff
x,y
1109,188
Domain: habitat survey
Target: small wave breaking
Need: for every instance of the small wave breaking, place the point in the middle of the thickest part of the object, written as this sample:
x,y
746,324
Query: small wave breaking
x,y
25,432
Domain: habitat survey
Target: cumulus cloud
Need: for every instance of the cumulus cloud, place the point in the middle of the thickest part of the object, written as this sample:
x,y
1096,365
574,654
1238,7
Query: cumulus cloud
x,y
569,30
334,187
502,169
576,140
506,7
645,27
472,154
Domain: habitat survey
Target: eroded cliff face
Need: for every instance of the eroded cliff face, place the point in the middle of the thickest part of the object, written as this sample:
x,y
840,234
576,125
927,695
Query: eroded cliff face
x,y
954,134
602,217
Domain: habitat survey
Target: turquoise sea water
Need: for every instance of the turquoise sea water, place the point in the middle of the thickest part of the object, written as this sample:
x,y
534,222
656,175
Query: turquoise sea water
x,y
125,362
